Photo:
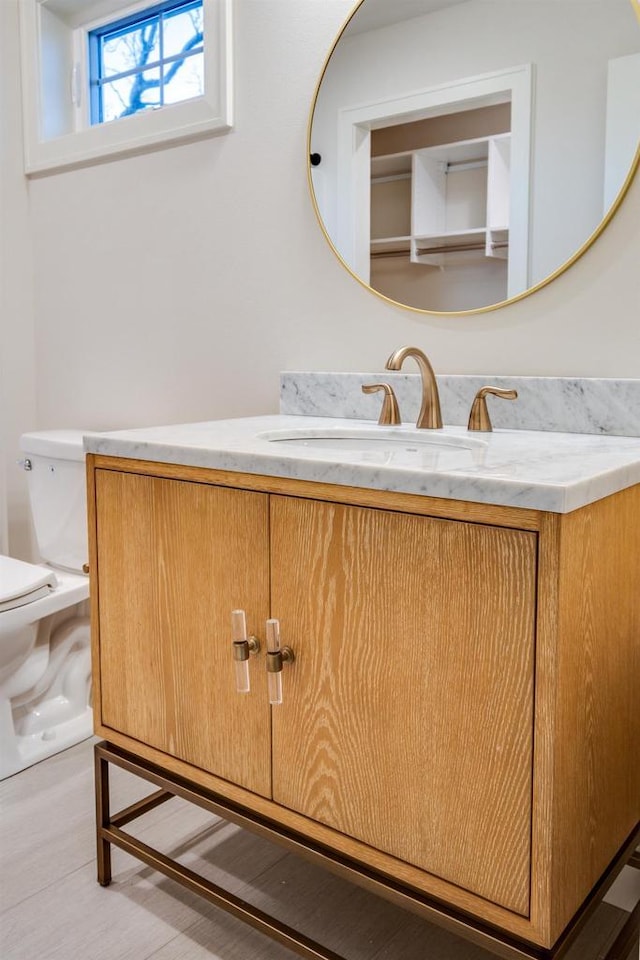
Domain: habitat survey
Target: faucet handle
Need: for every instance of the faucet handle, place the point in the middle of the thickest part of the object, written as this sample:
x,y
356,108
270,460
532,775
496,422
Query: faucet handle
x,y
390,412
479,417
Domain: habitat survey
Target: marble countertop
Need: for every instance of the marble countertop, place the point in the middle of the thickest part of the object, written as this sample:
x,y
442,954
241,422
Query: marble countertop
x,y
558,472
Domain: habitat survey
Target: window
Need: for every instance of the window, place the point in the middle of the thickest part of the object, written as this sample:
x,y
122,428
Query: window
x,y
121,76
147,60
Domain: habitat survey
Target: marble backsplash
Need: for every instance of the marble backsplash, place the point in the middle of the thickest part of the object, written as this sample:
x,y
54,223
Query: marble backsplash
x,y
561,404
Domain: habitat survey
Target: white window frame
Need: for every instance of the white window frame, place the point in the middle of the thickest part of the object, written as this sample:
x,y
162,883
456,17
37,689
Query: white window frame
x,y
84,143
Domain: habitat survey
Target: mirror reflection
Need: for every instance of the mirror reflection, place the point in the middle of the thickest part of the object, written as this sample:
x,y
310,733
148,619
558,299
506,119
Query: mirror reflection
x,y
471,148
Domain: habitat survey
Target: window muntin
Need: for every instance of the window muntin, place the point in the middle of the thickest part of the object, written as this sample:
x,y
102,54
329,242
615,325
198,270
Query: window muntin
x,y
147,60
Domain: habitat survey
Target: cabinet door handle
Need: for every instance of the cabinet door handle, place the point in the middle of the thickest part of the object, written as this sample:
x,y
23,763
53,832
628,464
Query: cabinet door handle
x,y
276,656
243,647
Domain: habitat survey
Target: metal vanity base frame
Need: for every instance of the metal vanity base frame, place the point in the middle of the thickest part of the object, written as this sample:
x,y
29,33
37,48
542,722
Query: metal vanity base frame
x,y
109,831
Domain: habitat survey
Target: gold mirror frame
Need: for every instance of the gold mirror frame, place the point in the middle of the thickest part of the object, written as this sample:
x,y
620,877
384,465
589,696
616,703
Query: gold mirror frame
x,y
635,4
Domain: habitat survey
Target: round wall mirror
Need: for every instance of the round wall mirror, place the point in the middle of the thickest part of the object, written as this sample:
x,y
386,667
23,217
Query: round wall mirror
x,y
468,151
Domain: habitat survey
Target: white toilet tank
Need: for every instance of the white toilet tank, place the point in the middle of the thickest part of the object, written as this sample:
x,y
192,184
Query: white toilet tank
x,y
54,461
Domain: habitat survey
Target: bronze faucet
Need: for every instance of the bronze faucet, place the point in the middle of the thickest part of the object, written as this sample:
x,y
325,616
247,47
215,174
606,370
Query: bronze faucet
x,y
389,414
429,417
479,417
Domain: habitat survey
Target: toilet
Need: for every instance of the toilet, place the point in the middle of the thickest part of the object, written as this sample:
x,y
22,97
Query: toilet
x,y
45,659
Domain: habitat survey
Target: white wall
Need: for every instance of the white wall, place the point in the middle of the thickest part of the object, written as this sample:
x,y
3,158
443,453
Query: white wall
x,y
17,337
56,54
175,286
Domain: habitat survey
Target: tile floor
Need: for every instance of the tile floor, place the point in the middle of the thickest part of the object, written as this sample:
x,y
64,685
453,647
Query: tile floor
x,y
51,907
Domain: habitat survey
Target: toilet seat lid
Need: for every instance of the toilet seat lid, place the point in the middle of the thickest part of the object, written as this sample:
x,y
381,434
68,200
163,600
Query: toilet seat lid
x,y
21,583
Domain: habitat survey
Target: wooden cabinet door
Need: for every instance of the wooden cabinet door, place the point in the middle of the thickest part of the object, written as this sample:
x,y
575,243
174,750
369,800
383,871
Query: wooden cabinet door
x,y
407,718
174,559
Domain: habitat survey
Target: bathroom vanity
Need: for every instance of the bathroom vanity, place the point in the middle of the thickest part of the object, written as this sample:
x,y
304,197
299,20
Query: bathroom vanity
x,y
459,723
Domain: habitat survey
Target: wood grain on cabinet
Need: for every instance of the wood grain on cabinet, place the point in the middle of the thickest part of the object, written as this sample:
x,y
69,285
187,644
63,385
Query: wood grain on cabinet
x,y
173,560
407,719
162,532
590,684
520,517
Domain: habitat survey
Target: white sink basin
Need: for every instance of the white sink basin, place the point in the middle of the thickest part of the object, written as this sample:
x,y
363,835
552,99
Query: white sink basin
x,y
369,438
401,445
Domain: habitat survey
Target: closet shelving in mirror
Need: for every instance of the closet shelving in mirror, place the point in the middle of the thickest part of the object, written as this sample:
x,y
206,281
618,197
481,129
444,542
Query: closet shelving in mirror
x,y
385,72
435,201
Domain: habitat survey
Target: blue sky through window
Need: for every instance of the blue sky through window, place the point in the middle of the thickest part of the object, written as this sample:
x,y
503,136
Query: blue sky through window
x,y
147,60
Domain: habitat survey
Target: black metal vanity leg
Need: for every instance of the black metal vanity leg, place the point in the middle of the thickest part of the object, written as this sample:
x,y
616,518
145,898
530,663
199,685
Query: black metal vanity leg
x,y
103,817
